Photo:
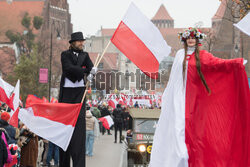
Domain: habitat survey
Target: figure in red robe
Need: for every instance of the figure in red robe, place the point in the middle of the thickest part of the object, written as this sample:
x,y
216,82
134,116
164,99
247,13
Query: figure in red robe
x,y
205,117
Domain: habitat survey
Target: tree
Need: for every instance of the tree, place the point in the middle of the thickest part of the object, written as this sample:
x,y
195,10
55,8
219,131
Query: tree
x,y
31,59
243,7
210,39
28,72
26,20
238,8
25,40
37,22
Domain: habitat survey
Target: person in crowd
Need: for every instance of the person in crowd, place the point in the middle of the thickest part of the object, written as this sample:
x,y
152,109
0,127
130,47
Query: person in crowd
x,y
53,152
5,116
105,112
136,105
6,158
29,148
90,137
118,119
3,151
95,111
125,115
45,151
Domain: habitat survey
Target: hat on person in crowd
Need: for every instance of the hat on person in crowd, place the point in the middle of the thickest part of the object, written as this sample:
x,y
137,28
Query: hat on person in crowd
x,y
104,104
5,116
88,114
77,36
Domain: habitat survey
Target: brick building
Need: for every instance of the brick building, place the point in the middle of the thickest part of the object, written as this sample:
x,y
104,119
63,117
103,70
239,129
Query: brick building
x,y
55,30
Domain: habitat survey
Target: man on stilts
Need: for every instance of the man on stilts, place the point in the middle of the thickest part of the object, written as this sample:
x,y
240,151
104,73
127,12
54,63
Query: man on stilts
x,y
76,64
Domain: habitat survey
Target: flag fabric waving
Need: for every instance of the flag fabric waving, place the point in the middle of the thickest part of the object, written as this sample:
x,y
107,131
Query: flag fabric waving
x,y
5,91
52,121
244,24
14,105
141,41
107,121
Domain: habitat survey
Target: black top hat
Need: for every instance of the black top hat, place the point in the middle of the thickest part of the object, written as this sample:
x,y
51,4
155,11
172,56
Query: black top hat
x,y
76,36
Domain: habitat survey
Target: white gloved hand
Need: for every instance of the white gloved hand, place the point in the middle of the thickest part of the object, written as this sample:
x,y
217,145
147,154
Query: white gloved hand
x,y
90,77
94,70
244,62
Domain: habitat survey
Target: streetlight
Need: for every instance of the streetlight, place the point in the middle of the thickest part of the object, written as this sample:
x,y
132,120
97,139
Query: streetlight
x,y
50,58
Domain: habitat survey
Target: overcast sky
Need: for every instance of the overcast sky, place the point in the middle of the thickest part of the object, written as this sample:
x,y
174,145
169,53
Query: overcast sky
x,y
89,15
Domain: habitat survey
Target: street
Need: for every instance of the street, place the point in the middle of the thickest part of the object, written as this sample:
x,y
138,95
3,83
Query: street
x,y
107,153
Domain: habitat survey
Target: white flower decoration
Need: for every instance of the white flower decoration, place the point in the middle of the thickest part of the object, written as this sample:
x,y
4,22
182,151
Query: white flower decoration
x,y
198,34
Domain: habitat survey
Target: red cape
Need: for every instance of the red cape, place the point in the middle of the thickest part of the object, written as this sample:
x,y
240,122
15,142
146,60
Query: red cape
x,y
217,125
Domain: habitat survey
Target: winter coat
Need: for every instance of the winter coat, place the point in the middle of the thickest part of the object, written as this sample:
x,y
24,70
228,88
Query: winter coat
x,y
104,112
10,130
9,158
118,115
3,151
74,67
29,152
96,112
90,121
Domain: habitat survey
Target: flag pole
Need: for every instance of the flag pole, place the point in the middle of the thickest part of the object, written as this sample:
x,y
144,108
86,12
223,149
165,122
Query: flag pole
x,y
98,60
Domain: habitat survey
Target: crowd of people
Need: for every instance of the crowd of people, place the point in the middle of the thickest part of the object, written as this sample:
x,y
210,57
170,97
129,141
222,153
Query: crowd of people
x,y
20,147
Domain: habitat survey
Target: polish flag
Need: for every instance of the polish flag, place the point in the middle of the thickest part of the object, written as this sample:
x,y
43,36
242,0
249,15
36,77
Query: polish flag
x,y
112,103
121,102
52,121
141,41
107,121
5,91
14,105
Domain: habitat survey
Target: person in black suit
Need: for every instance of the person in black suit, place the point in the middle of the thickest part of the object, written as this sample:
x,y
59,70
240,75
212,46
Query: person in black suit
x,y
76,65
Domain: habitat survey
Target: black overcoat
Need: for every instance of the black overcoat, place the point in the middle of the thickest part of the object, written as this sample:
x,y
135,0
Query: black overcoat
x,y
74,67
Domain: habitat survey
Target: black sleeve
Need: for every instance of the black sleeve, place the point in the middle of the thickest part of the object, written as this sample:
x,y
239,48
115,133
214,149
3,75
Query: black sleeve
x,y
114,113
87,63
69,69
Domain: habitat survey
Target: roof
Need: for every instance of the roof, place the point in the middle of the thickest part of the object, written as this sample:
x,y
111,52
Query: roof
x,y
144,113
12,21
109,60
107,31
162,14
221,10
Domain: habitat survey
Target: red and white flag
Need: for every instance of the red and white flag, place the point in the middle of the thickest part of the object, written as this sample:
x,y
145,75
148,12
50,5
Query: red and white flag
x,y
141,41
52,121
14,105
5,91
107,121
112,103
